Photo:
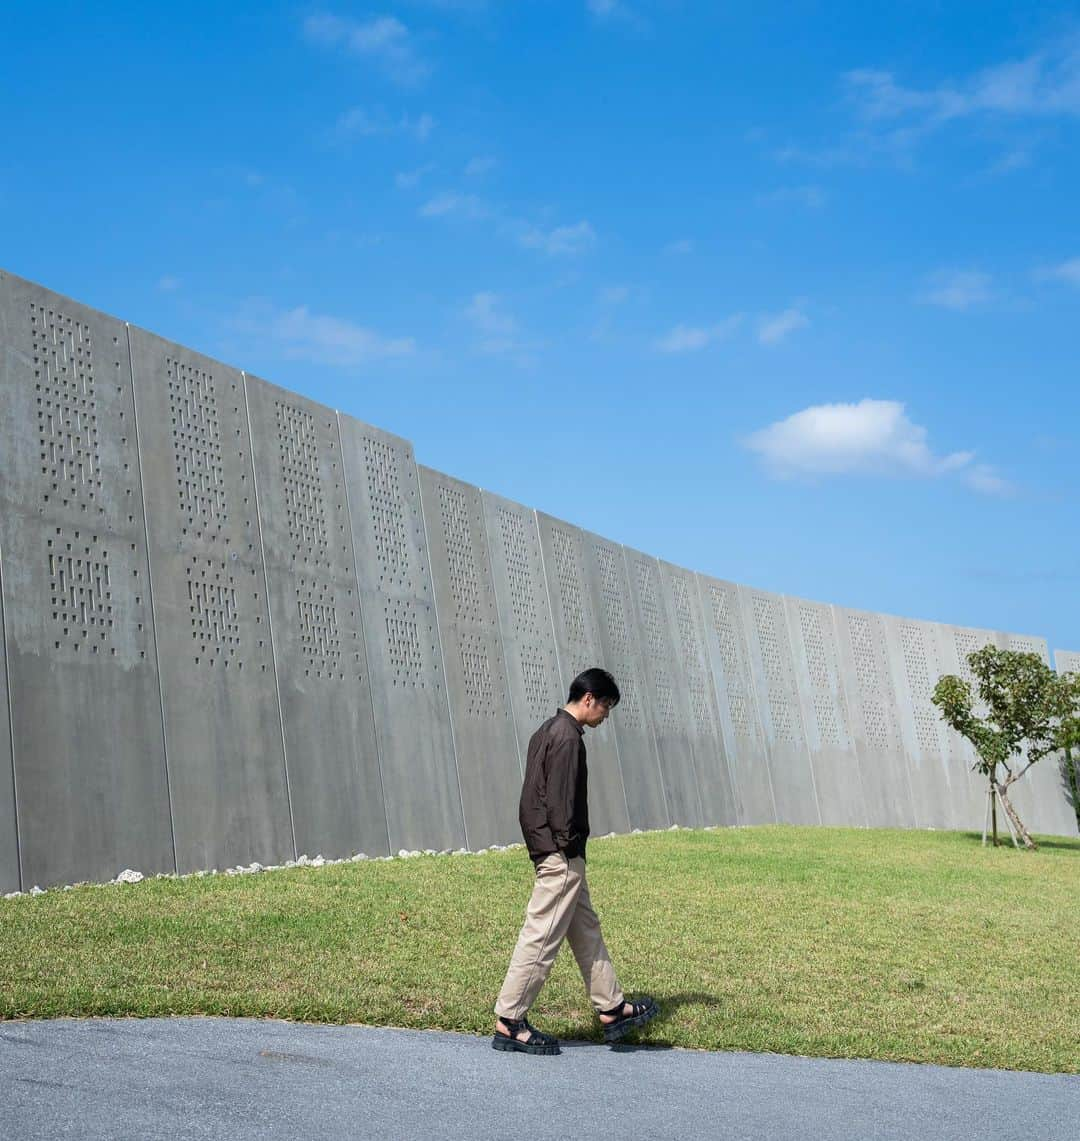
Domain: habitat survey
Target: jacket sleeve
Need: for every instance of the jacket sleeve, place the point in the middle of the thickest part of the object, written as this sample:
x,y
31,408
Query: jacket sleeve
x,y
561,765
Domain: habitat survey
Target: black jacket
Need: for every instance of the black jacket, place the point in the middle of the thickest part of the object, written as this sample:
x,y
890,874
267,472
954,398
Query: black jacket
x,y
554,807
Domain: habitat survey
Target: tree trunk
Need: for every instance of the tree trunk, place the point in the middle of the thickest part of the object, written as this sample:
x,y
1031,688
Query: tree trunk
x,y
993,810
1017,823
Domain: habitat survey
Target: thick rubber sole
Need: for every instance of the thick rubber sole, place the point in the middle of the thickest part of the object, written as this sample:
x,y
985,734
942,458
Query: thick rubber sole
x,y
618,1030
513,1045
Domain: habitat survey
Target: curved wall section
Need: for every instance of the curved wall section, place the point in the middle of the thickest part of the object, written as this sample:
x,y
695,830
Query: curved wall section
x,y
238,625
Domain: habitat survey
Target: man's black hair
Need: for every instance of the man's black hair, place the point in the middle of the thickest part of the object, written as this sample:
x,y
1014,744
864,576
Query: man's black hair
x,y
598,682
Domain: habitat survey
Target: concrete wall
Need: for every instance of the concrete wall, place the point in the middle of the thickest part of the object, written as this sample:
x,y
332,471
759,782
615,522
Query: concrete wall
x,y
237,625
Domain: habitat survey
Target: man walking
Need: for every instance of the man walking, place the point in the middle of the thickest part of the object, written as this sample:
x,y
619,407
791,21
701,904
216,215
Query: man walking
x,y
554,817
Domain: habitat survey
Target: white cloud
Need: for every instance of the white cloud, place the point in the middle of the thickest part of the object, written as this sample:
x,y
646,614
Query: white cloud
x,y
303,335
168,283
1046,83
957,289
384,39
613,295
812,197
409,179
499,332
983,478
608,11
562,240
679,247
359,122
872,437
479,166
444,205
774,329
1067,271
689,338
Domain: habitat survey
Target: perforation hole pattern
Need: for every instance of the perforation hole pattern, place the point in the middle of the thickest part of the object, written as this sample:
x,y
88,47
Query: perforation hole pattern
x,y
384,478
519,564
305,508
821,664
320,636
665,700
617,624
697,683
771,640
196,432
460,554
215,612
568,573
863,650
1068,661
479,678
534,676
645,575
81,591
875,690
920,668
817,659
967,642
630,711
723,607
611,594
67,407
404,646
1027,645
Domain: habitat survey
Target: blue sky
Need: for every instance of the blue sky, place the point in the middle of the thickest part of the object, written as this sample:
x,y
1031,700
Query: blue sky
x,y
788,294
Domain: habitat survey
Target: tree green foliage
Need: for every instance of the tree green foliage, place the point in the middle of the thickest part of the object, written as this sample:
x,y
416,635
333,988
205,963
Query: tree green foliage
x,y
1027,712
1069,739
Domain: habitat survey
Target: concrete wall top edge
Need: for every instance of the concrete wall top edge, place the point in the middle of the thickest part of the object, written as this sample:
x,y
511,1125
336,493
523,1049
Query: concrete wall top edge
x,y
288,394
378,433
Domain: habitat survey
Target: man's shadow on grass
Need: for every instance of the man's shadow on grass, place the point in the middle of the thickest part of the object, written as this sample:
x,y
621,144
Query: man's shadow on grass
x,y
669,1004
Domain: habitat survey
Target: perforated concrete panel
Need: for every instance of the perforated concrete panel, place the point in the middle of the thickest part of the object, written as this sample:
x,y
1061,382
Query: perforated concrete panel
x,y
332,760
230,797
718,803
89,758
816,660
632,720
871,702
668,692
481,712
9,848
744,738
772,667
528,639
577,645
1067,661
412,717
938,785
1047,781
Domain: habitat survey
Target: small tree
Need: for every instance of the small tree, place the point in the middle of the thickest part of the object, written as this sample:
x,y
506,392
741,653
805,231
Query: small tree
x,y
1027,705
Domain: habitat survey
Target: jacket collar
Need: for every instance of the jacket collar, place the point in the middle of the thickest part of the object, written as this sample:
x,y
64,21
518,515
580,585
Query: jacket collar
x,y
573,721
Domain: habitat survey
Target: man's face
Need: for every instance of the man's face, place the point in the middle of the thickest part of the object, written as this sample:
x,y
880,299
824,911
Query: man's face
x,y
595,710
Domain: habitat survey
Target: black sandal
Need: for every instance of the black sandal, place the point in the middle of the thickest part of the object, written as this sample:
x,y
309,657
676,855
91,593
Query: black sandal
x,y
643,1011
536,1043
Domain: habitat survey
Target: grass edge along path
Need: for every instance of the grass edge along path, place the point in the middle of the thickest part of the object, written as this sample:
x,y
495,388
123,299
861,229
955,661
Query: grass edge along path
x,y
823,942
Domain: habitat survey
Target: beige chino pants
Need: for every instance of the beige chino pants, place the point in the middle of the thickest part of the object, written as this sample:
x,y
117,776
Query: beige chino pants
x,y
559,909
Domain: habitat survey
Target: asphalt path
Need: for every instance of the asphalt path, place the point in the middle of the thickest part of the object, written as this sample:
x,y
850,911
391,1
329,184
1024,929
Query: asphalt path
x,y
230,1078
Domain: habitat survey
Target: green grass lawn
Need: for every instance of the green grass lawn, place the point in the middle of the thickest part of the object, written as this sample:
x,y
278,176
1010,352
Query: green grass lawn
x,y
909,946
